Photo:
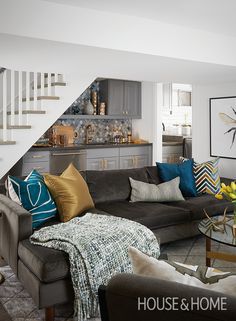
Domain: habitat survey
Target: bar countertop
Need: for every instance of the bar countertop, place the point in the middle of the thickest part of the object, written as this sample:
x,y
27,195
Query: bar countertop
x,y
87,146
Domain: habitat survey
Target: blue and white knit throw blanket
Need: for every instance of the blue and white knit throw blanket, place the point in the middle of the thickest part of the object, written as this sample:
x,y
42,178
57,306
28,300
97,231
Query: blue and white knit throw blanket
x,y
97,246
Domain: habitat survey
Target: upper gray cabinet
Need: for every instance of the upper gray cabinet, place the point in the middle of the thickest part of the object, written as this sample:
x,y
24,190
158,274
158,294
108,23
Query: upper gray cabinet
x,y
122,97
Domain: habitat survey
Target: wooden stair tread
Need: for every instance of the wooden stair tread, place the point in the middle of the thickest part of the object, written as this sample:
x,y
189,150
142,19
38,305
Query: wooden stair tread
x,y
54,84
8,142
26,112
52,74
17,127
43,98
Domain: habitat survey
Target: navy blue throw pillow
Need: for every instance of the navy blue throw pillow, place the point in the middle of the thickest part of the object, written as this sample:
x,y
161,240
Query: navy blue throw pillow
x,y
184,170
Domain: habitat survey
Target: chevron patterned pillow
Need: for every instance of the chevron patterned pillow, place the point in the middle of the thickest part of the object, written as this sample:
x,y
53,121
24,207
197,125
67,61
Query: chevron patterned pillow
x,y
207,177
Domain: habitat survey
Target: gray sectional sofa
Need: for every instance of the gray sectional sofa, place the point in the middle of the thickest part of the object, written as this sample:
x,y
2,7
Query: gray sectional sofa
x,y
45,272
125,290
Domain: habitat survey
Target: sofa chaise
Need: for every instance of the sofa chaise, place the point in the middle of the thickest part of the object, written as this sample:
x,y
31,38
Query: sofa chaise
x,y
45,272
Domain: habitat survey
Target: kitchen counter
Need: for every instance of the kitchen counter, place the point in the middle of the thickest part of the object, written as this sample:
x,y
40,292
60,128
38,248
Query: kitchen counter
x,y
172,143
86,146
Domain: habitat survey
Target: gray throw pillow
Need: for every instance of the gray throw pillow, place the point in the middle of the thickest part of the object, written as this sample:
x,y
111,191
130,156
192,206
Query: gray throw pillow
x,y
164,192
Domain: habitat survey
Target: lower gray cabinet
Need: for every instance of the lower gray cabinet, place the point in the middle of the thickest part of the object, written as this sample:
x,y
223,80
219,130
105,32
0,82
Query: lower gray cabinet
x,y
102,159
102,163
119,158
56,161
171,154
135,157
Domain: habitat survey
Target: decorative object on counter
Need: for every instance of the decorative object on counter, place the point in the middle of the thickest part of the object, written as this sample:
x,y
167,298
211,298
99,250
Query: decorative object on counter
x,y
129,136
89,132
104,130
186,130
89,109
78,106
94,98
63,140
57,133
102,109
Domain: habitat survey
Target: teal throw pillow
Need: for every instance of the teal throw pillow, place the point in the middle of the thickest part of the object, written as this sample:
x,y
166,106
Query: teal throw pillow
x,y
168,171
33,195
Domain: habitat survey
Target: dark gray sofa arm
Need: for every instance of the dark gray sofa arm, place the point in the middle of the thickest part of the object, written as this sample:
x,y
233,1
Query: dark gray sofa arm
x,y
15,226
119,300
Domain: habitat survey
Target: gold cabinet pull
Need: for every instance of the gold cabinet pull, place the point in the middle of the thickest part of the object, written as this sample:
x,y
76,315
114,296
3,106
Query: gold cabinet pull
x,y
68,154
105,163
38,156
101,164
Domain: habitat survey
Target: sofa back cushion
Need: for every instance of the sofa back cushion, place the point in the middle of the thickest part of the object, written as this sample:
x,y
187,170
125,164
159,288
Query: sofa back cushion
x,y
112,185
153,175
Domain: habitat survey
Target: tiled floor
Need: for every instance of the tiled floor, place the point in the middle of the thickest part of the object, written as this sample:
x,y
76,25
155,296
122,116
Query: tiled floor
x,y
192,251
21,307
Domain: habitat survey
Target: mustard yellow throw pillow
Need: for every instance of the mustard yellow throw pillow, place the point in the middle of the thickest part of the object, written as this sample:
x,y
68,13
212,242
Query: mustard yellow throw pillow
x,y
70,192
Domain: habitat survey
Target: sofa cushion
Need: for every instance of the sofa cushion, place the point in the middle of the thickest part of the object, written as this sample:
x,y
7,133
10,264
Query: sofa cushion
x,y
207,177
184,170
199,276
164,192
153,175
70,193
113,185
33,194
208,202
47,264
152,215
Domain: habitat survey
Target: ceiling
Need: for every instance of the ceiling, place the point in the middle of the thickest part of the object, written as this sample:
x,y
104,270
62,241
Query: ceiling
x,y
210,15
32,53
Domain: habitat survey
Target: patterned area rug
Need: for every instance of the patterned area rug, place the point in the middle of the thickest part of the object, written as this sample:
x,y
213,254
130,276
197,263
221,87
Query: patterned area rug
x,y
4,316
19,305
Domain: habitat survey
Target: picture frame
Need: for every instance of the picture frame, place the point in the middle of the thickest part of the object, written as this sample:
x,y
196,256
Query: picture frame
x,y
223,127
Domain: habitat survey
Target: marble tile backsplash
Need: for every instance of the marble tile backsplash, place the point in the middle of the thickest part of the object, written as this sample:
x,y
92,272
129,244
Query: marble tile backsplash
x,y
103,130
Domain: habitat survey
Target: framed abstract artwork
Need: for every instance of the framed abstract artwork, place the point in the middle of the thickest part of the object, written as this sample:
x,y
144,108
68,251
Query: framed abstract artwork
x,y
223,127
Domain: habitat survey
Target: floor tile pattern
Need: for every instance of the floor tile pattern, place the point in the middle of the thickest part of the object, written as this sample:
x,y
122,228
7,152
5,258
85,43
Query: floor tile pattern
x,y
21,307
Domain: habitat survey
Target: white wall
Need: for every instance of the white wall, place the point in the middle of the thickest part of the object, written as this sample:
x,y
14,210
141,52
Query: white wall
x,y
201,130
149,127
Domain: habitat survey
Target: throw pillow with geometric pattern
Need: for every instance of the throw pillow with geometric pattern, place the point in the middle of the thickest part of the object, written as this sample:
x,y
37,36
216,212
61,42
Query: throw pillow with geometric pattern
x,y
34,196
207,178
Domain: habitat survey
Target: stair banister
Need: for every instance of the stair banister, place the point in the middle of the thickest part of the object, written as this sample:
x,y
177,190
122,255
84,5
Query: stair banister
x,y
42,83
12,99
19,98
49,84
35,102
27,90
4,106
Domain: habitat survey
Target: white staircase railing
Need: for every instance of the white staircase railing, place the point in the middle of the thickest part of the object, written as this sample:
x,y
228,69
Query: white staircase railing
x,y
22,93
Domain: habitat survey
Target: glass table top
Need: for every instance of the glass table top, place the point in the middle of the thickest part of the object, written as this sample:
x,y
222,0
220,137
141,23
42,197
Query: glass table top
x,y
226,236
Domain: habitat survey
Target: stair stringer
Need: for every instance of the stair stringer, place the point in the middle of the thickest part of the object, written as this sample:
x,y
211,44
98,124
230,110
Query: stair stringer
x,y
25,138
